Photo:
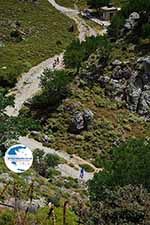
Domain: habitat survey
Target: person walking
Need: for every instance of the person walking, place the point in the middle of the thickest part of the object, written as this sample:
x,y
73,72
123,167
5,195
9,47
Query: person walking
x,y
81,173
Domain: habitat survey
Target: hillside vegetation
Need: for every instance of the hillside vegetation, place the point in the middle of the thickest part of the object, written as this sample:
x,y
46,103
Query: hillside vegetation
x,y
29,33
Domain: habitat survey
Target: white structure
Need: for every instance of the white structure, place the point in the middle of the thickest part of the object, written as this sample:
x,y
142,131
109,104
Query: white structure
x,y
107,12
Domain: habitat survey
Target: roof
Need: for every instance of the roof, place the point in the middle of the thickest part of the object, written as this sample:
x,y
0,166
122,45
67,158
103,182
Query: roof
x,y
106,8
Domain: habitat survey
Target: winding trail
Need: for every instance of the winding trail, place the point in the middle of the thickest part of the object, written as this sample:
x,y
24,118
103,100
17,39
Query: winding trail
x,y
29,84
65,169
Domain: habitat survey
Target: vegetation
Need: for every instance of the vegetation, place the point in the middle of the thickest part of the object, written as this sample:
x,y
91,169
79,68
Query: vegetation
x,y
11,127
98,3
7,217
87,168
76,53
128,164
25,41
116,140
55,87
122,205
123,184
81,4
43,163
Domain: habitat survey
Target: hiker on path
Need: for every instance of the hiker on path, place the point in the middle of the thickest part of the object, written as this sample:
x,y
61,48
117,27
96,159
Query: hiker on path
x,y
82,173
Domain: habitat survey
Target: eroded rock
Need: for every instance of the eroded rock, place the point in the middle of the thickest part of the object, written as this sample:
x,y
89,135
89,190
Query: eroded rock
x,y
81,120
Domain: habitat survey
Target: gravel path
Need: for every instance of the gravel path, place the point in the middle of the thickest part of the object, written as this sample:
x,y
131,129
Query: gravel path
x,y
29,84
84,29
65,169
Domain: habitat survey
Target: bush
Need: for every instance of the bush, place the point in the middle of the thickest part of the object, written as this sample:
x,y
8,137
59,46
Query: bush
x,y
44,164
123,205
128,164
55,199
87,168
146,30
6,218
54,87
52,160
98,3
78,52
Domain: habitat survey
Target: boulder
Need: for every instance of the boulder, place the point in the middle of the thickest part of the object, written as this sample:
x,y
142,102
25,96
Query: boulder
x,y
132,21
144,103
81,120
115,89
121,72
78,121
133,92
116,63
134,16
88,115
103,80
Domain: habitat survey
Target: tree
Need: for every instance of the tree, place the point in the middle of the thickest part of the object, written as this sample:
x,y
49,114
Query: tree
x,y
128,164
74,55
52,160
55,87
120,194
121,206
78,52
98,3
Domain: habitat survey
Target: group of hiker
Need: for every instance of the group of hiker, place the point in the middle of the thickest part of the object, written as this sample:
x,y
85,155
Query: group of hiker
x,y
56,62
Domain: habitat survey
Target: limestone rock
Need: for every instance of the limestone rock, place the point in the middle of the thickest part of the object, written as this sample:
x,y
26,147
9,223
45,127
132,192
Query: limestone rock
x,y
132,21
81,120
116,62
134,90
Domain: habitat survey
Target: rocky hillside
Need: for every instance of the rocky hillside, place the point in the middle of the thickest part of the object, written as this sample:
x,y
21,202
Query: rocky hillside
x,y
108,100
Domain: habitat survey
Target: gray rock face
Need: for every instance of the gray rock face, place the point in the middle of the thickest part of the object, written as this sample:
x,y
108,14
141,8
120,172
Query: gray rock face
x,y
81,120
116,62
121,72
134,90
131,21
129,85
115,89
144,103
24,205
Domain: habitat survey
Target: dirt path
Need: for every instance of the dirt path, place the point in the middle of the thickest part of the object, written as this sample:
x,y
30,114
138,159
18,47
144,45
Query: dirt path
x,y
29,84
65,169
84,29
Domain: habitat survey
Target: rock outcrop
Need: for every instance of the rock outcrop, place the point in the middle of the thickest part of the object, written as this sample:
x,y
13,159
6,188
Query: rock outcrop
x,y
81,120
126,81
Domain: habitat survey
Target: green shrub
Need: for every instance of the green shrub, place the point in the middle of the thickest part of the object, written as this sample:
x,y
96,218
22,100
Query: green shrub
x,y
146,30
128,164
77,52
52,160
87,168
55,87
6,218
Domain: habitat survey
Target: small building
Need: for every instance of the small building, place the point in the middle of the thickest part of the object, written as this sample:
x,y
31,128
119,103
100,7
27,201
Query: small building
x,y
107,12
